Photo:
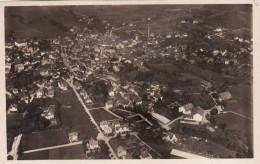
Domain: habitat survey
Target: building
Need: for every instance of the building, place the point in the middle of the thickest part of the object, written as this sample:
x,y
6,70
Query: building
x,y
160,118
19,67
206,84
144,154
63,85
170,137
123,128
225,96
73,137
108,130
104,124
93,144
121,152
109,104
198,114
13,108
48,112
186,109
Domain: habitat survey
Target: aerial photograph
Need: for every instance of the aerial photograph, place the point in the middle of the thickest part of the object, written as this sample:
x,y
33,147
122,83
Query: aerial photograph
x,y
129,81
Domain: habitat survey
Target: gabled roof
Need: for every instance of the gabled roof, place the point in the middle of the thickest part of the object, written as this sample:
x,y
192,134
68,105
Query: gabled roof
x,y
198,110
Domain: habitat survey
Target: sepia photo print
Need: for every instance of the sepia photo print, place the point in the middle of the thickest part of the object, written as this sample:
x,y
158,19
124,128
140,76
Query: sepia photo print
x,y
158,81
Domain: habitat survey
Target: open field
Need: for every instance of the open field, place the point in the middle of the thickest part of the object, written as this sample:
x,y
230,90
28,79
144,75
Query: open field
x,y
136,118
75,119
70,152
101,115
39,155
44,139
242,101
164,67
207,148
120,113
13,125
13,120
240,107
235,122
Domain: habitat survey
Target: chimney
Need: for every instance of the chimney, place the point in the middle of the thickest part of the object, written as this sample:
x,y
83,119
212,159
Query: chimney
x,y
148,31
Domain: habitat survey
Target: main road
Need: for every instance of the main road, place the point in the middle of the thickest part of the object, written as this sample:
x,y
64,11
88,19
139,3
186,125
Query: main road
x,y
101,135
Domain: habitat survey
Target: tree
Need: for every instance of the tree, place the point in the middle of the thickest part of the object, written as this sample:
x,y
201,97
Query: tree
x,y
118,136
222,126
127,135
214,112
213,120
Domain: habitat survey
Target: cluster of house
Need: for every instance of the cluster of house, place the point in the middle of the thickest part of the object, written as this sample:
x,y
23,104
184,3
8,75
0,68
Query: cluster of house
x,y
115,126
49,114
154,91
91,145
123,153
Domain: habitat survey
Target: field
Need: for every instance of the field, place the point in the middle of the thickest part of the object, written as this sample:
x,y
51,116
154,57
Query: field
x,y
75,119
240,107
13,125
120,113
70,152
101,115
44,139
136,118
207,148
235,122
164,67
242,102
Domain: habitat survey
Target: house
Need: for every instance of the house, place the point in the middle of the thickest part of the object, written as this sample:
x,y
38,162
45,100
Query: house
x,y
192,61
220,108
13,108
107,130
73,137
7,67
145,154
186,109
111,93
77,84
50,92
206,84
39,93
19,67
170,137
225,96
210,129
20,43
48,112
63,85
15,91
104,124
44,72
198,114
109,104
121,152
93,144
121,129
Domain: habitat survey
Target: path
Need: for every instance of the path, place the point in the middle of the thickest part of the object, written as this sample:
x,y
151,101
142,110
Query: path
x,y
53,147
176,119
186,154
106,109
143,118
147,145
15,147
240,115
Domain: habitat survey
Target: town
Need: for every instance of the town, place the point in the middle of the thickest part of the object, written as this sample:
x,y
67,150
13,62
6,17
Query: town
x,y
106,89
